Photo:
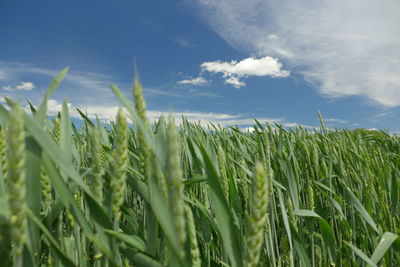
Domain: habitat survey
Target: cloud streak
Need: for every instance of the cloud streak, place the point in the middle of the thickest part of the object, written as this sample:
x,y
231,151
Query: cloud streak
x,y
199,81
342,48
334,120
81,87
82,84
108,113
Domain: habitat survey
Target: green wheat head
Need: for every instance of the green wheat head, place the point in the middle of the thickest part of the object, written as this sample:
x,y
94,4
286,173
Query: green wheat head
x,y
57,130
120,164
16,178
96,164
175,186
3,152
140,107
46,191
222,171
192,236
140,104
258,215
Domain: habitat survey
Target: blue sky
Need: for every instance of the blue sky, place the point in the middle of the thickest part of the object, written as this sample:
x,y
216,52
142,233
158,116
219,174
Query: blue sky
x,y
224,61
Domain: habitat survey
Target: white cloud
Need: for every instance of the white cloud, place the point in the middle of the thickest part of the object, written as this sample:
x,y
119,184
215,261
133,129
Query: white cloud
x,y
106,113
234,70
27,86
248,130
53,107
342,48
233,80
24,86
195,81
102,112
266,66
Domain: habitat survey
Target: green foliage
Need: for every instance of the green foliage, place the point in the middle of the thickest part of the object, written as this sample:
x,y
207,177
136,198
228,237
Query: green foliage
x,y
113,195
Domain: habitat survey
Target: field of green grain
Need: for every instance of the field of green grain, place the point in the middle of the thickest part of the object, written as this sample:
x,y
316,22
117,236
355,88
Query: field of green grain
x,y
138,193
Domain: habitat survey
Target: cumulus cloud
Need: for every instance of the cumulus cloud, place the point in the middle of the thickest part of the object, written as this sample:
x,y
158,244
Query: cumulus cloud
x,y
200,81
106,113
27,86
53,107
233,80
24,86
248,130
342,48
234,70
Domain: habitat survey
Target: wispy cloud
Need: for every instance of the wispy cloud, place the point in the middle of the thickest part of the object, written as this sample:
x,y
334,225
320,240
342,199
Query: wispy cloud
x,y
185,42
234,70
3,75
383,115
82,83
341,47
81,87
200,81
108,113
336,120
152,91
178,92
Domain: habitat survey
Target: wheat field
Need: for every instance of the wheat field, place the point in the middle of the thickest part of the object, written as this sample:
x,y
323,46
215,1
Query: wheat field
x,y
139,193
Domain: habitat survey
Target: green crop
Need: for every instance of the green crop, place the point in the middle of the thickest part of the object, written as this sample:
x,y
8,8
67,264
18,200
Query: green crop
x,y
184,195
